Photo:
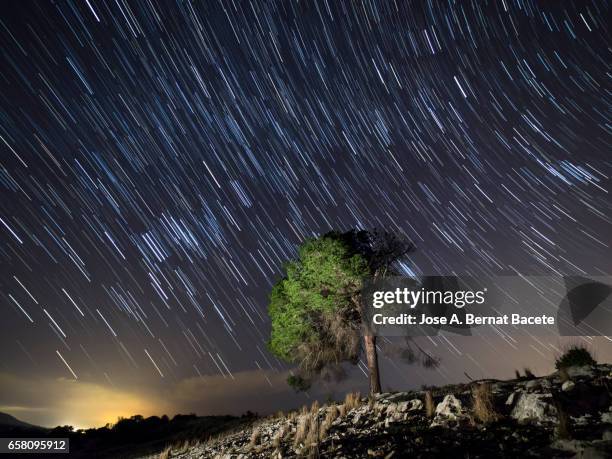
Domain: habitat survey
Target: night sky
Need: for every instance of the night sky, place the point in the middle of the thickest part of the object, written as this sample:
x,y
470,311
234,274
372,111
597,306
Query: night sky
x,y
161,160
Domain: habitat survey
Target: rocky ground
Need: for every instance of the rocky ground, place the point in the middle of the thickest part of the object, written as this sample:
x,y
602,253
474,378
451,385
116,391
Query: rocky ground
x,y
560,415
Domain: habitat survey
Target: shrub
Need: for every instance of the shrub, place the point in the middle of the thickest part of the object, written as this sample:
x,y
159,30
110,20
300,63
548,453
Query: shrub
x,y
430,408
563,427
330,416
352,400
298,383
576,355
301,430
484,409
279,435
255,437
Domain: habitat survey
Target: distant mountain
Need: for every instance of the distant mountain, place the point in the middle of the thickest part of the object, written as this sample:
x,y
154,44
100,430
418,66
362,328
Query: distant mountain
x,y
11,425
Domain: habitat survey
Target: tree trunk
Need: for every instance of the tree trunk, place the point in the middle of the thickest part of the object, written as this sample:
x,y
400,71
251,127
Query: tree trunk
x,y
369,342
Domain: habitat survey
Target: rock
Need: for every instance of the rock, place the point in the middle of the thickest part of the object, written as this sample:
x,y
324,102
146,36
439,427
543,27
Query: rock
x,y
607,417
585,371
532,384
534,407
398,397
567,386
510,400
449,409
584,450
415,405
545,383
607,435
411,405
582,420
391,409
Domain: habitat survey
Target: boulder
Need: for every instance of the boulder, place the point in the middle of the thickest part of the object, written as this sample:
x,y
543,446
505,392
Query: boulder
x,y
415,405
585,372
450,409
567,386
534,407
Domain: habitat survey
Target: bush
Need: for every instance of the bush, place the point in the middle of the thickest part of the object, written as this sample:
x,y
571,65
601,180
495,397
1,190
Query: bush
x,y
484,406
576,355
298,383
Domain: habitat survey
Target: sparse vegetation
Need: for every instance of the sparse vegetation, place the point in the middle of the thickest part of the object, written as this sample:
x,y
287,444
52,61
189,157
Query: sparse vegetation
x,y
279,436
331,415
352,400
312,438
528,373
483,407
255,437
430,407
563,427
575,355
563,375
301,430
165,454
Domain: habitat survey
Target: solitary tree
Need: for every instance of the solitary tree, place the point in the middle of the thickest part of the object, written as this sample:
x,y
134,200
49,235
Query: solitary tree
x,y
316,308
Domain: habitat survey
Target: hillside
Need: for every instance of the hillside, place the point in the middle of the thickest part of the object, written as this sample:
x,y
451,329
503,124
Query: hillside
x,y
565,414
10,426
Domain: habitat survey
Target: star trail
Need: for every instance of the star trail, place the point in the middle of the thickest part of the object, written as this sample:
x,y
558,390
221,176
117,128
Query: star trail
x,y
160,161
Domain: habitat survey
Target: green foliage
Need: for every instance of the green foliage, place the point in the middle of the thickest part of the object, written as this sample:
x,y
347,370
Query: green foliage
x,y
576,355
324,280
299,383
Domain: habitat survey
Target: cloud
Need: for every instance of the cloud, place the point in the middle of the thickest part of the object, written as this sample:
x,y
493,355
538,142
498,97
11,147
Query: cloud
x,y
261,391
51,402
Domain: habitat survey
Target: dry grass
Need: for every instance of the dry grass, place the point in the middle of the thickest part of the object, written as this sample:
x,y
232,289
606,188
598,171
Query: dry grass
x,y
280,435
430,407
301,430
330,416
184,447
352,400
255,437
165,454
308,431
484,408
312,438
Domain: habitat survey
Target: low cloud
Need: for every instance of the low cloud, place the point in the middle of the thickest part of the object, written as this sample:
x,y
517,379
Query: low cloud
x,y
51,402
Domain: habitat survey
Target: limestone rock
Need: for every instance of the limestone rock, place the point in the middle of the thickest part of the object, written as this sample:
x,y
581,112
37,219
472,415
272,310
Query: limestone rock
x,y
534,407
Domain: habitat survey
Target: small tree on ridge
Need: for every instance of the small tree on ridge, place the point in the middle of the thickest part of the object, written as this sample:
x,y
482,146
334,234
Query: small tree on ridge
x,y
316,308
